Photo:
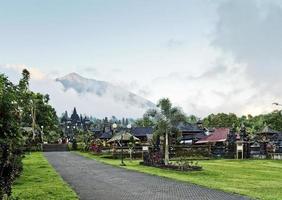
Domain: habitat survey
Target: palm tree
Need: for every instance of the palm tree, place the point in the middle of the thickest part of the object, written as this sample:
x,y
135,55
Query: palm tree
x,y
166,118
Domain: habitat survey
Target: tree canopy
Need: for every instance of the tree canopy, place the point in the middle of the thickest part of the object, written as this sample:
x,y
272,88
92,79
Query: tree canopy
x,y
166,119
252,124
19,108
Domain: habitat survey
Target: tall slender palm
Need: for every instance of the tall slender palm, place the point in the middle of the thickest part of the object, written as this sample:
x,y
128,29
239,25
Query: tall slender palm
x,y
166,118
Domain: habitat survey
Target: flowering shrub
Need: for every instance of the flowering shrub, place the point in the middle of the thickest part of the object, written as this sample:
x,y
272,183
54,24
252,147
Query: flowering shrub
x,y
153,158
96,146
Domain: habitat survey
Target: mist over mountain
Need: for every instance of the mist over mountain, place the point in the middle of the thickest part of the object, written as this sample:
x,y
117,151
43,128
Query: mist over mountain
x,y
89,96
83,85
103,89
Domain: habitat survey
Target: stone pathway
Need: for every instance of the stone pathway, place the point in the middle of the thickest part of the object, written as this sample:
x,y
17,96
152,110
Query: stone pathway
x,y
93,180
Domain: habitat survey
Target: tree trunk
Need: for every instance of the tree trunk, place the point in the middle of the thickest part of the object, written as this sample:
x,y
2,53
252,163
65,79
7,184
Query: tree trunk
x,y
130,153
166,148
33,115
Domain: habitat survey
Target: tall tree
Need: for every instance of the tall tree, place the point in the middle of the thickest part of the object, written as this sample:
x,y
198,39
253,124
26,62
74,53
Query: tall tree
x,y
146,121
166,118
221,120
192,119
11,139
64,117
17,105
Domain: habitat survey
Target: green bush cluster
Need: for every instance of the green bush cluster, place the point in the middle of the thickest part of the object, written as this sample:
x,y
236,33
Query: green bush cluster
x,y
23,115
11,139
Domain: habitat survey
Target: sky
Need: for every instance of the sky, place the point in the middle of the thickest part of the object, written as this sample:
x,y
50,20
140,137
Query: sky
x,y
206,56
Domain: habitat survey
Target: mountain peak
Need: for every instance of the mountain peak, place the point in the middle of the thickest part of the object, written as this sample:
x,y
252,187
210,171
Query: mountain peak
x,y
103,89
73,75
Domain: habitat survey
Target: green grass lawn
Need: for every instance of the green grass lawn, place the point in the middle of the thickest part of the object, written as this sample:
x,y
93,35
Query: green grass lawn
x,y
39,180
261,179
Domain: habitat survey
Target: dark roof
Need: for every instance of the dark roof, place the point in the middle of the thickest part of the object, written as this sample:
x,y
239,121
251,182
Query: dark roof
x,y
195,136
200,122
106,135
279,137
96,130
192,128
219,135
267,130
276,137
141,131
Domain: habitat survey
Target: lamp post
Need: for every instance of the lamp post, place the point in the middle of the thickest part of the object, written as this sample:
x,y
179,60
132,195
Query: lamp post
x,y
122,163
42,134
73,129
68,132
114,126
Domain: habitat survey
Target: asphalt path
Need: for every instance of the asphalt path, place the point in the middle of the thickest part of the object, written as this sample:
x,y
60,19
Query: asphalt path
x,y
93,180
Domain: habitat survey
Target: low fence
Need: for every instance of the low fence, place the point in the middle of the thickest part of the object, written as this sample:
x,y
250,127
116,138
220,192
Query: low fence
x,y
276,156
188,151
116,152
176,151
192,151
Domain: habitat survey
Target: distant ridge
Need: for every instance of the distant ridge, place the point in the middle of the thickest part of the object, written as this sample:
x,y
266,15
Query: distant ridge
x,y
104,90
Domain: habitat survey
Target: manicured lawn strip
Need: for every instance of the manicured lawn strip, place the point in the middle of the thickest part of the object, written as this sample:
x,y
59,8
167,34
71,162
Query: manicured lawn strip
x,y
40,181
255,178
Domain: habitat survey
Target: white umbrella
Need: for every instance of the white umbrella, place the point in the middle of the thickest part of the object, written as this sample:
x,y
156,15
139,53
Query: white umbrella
x,y
124,136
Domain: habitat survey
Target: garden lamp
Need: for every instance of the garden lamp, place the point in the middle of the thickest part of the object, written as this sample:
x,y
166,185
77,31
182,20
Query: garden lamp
x,y
114,126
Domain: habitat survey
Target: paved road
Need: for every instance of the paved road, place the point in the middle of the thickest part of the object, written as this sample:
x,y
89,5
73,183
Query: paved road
x,y
96,181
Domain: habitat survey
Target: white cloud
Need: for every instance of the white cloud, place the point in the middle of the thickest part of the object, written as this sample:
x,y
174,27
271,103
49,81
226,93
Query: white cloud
x,y
87,103
233,65
224,87
34,72
251,32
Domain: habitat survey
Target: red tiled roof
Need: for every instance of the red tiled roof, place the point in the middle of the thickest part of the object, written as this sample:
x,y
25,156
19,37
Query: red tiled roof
x,y
219,135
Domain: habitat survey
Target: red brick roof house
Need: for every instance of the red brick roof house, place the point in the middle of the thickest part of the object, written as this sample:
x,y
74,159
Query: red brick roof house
x,y
218,135
218,141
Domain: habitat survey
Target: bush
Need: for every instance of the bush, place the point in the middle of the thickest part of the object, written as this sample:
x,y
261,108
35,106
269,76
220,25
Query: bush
x,y
18,106
81,146
11,140
74,145
96,147
184,165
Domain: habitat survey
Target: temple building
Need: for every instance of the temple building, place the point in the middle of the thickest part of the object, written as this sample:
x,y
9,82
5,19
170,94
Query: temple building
x,y
70,125
191,133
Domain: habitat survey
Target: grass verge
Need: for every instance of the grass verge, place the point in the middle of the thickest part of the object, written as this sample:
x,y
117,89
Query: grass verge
x,y
40,181
260,179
